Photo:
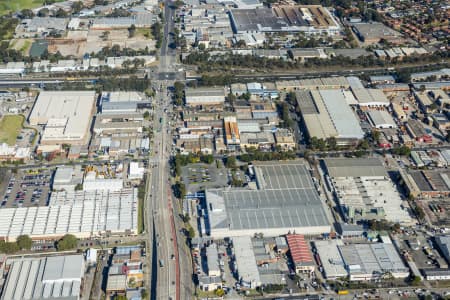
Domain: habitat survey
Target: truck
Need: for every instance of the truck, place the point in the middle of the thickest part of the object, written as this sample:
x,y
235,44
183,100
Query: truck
x,y
342,292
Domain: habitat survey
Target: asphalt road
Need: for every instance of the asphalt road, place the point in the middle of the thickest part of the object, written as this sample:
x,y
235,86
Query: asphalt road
x,y
170,267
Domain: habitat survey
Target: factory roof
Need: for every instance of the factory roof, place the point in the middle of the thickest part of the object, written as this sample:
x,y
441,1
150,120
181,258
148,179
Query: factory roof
x,y
81,213
63,175
431,180
299,250
381,118
355,167
205,92
372,258
315,114
330,258
286,198
70,109
245,259
342,116
116,282
370,96
54,277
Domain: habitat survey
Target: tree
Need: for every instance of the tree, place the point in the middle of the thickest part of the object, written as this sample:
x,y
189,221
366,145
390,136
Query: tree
x,y
26,13
402,150
77,7
219,292
191,232
131,31
207,159
68,242
230,162
24,242
146,114
105,35
61,13
44,12
8,247
416,280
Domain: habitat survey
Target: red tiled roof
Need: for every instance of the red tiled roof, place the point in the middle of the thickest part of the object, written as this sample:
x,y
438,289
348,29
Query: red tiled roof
x,y
299,248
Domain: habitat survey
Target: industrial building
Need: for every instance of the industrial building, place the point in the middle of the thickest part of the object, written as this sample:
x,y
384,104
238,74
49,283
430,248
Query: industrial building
x,y
364,190
300,253
326,114
370,97
232,135
381,119
67,178
286,200
123,102
53,277
212,258
204,96
443,242
84,214
427,183
66,116
330,258
247,268
372,261
310,19
373,32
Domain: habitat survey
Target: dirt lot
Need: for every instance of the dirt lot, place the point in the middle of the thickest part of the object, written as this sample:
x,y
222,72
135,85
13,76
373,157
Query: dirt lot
x,y
95,42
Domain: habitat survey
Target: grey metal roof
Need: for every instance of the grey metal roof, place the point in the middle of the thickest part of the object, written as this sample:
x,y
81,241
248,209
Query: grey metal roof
x,y
343,117
354,167
286,199
55,277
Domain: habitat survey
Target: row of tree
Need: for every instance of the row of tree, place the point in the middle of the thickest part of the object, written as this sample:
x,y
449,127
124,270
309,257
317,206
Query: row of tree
x,y
24,242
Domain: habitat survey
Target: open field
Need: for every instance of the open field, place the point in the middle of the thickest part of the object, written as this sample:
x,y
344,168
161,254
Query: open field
x,y
10,127
7,6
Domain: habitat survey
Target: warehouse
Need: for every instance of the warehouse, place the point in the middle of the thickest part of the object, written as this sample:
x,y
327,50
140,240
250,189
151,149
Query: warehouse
x,y
373,32
66,116
246,262
429,183
326,114
443,242
205,96
300,253
370,97
364,190
311,19
372,261
84,214
381,119
53,277
330,258
286,200
122,102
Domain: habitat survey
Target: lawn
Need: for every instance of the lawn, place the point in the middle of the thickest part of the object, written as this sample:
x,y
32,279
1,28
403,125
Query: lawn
x,y
7,6
10,128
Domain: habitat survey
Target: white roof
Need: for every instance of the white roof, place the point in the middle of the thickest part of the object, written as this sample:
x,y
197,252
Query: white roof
x,y
70,111
245,260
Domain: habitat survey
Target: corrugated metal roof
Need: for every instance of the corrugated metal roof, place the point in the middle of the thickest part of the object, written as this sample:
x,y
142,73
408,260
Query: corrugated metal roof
x,y
299,249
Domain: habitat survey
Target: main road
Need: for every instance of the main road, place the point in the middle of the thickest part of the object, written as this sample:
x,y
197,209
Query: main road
x,y
171,266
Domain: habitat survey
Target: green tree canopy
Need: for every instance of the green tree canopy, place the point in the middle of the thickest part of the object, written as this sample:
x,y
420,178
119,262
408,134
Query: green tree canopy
x,y
24,242
68,242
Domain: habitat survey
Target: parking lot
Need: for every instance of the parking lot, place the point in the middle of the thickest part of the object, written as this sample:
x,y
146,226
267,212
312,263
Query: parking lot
x,y
29,187
199,176
422,251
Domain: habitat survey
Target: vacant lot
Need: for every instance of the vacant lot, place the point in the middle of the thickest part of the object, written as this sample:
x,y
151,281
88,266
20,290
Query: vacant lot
x,y
9,129
7,6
